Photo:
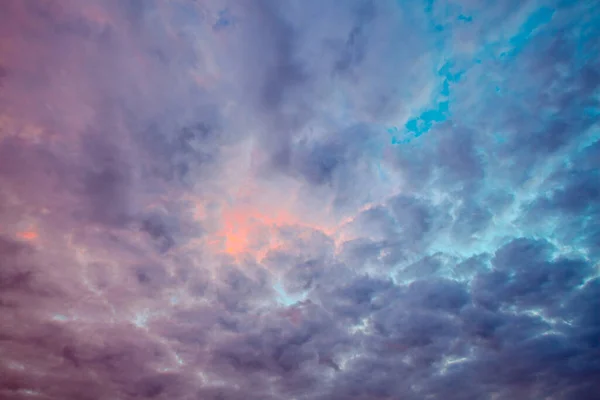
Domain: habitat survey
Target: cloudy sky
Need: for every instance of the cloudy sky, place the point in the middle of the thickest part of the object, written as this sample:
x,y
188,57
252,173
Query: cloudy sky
x,y
299,199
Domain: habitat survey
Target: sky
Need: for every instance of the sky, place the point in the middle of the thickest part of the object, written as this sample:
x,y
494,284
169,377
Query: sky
x,y
299,199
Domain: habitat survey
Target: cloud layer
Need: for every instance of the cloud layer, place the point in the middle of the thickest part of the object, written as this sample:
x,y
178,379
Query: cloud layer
x,y
299,200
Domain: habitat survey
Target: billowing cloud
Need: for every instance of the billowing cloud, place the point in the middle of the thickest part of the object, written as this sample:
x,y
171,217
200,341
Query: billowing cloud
x,y
267,199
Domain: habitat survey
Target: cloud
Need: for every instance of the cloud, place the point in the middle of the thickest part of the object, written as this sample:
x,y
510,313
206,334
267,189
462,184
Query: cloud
x,y
299,200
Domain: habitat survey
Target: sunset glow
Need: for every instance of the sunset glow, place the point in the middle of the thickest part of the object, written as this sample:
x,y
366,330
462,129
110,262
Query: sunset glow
x,y
28,235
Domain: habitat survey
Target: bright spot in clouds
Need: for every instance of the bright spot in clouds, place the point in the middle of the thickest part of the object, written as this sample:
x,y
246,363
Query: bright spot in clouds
x,y
27,235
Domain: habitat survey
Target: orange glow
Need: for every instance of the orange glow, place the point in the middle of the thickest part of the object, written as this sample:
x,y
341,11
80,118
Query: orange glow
x,y
252,228
249,230
236,242
27,235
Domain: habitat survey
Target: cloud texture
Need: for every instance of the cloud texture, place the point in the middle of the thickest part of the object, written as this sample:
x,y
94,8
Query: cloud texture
x,y
299,200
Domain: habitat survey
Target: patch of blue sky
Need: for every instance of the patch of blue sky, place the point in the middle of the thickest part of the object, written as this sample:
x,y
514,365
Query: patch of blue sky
x,y
438,110
398,137
505,49
535,21
447,72
443,15
439,21
465,18
285,298
417,126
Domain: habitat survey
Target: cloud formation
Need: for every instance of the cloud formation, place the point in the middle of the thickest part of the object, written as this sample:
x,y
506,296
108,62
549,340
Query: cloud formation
x,y
264,199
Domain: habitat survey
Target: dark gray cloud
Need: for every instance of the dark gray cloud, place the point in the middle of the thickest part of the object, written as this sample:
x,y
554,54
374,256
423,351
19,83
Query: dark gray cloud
x,y
299,200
